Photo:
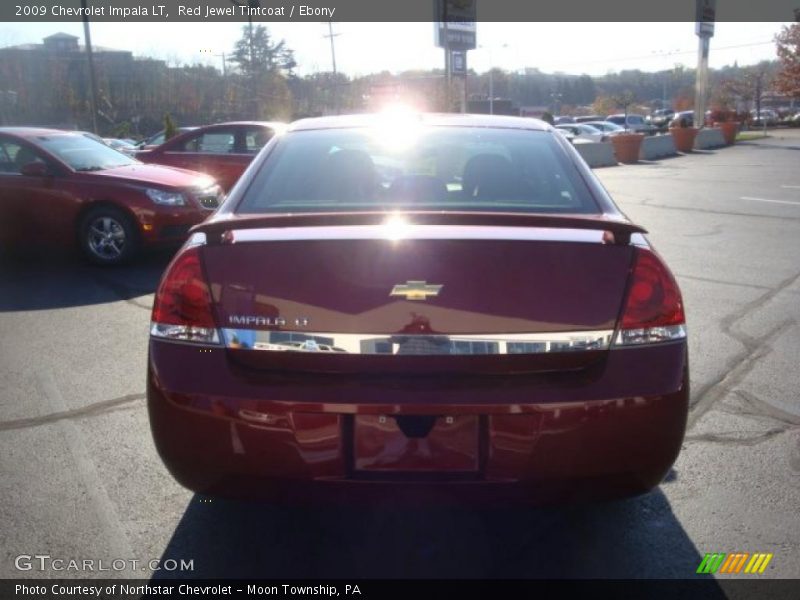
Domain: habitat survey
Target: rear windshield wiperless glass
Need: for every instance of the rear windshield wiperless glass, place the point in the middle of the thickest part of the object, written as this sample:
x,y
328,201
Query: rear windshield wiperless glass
x,y
401,166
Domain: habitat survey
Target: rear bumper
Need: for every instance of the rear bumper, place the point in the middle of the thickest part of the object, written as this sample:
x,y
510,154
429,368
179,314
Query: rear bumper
x,y
279,439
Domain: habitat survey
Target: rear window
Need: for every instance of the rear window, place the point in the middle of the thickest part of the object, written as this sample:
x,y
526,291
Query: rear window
x,y
422,168
212,142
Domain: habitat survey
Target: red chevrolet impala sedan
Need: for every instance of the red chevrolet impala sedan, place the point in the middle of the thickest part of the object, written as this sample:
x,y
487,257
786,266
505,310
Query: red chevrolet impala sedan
x,y
223,150
425,304
59,188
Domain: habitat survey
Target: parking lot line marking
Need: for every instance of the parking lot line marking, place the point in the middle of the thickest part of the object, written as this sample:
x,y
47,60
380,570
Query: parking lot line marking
x,y
104,508
769,200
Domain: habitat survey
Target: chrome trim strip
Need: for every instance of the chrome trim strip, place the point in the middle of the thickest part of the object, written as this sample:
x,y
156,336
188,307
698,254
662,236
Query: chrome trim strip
x,y
650,335
638,239
185,333
418,344
397,230
196,239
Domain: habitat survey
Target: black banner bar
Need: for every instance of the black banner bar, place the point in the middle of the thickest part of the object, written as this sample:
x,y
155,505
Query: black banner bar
x,y
384,10
652,589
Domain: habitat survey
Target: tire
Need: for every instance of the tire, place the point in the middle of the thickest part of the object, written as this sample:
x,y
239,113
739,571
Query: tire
x,y
108,236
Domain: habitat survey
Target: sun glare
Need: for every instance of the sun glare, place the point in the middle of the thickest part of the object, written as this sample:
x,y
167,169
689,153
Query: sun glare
x,y
397,127
396,227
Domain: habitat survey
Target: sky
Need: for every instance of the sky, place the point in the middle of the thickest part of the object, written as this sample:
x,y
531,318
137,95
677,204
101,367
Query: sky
x,y
362,48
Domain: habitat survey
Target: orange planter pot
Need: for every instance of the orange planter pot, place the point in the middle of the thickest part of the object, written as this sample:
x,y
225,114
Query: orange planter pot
x,y
684,138
729,131
626,146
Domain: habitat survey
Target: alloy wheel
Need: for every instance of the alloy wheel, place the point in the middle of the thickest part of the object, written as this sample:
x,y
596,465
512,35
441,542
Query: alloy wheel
x,y
106,238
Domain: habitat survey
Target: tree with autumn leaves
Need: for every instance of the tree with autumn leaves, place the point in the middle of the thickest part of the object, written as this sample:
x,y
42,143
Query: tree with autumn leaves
x,y
788,49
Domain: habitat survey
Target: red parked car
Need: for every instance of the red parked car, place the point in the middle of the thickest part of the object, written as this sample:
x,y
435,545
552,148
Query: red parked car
x,y
426,303
159,138
223,151
62,188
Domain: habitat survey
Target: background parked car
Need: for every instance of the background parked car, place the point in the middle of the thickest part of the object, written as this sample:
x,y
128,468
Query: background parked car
x,y
223,150
660,118
124,146
684,118
91,136
588,118
635,123
766,117
567,134
58,188
159,138
582,131
563,119
607,127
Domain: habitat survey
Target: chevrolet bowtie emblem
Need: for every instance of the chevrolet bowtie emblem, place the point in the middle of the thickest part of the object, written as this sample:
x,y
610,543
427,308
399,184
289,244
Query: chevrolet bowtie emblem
x,y
415,290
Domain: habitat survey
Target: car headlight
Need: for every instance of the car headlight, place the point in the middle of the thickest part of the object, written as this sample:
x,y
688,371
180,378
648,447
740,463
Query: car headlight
x,y
166,198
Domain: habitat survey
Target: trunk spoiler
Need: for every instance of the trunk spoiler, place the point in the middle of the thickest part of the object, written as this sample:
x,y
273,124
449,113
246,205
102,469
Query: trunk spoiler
x,y
619,231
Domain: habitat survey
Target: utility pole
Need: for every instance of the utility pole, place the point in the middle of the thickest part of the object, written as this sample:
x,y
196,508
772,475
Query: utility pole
x,y
448,66
704,29
90,62
253,73
224,64
555,97
759,88
665,53
490,50
224,81
465,95
330,36
491,90
701,82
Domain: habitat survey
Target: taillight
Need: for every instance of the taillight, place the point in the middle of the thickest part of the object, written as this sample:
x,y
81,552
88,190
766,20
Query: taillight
x,y
654,308
182,307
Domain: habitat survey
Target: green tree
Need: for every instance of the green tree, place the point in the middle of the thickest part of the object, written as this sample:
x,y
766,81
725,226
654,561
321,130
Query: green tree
x,y
256,53
265,64
170,129
122,130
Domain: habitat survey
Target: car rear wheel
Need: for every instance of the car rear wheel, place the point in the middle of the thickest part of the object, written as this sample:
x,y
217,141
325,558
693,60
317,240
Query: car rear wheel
x,y
107,236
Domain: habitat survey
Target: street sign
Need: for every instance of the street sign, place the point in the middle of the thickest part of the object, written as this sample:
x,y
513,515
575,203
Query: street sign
x,y
458,62
705,15
455,24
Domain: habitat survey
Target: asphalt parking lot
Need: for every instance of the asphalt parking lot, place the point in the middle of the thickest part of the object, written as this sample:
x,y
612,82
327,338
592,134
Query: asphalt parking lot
x,y
81,478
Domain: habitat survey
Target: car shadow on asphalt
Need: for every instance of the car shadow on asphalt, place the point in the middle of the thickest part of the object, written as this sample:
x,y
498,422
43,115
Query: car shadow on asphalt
x,y
635,538
31,280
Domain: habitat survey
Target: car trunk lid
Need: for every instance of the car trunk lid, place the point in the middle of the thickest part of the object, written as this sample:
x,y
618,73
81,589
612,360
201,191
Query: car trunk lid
x,y
426,296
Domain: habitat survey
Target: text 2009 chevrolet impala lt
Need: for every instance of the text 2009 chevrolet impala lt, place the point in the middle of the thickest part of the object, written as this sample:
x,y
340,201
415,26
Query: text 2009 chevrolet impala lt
x,y
424,303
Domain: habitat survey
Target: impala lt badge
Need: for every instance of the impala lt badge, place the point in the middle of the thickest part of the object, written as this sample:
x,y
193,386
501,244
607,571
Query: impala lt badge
x,y
416,290
256,321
